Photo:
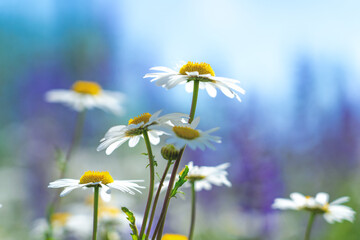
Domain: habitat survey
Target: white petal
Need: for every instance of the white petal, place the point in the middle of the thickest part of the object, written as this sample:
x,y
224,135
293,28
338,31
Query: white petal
x,y
67,190
105,193
133,141
211,90
115,145
322,198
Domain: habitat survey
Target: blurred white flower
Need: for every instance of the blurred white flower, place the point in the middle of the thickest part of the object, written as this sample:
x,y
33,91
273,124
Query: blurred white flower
x,y
193,71
94,178
332,212
133,132
203,176
87,95
63,225
182,134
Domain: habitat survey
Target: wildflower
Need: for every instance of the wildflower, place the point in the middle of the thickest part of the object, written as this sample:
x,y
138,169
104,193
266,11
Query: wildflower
x,y
168,236
63,225
133,132
87,95
332,212
193,71
95,178
183,134
205,176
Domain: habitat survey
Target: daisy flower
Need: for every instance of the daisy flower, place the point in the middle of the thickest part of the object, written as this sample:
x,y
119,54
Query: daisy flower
x,y
174,237
193,71
63,226
332,212
87,95
182,134
95,178
133,132
204,177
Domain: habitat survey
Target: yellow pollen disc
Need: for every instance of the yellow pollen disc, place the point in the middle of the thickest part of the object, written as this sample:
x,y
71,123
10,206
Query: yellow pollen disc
x,y
60,218
109,211
174,237
139,119
85,87
95,176
308,197
201,68
186,132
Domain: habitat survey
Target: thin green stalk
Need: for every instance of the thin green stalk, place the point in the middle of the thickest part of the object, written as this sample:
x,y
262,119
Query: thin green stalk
x,y
96,205
80,119
75,141
157,198
194,101
193,210
309,226
160,225
151,187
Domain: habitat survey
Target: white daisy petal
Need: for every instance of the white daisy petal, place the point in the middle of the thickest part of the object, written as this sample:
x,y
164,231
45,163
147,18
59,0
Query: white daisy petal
x,y
101,179
134,141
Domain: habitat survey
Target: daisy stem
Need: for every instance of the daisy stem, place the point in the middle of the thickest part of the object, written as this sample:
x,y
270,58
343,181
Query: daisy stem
x,y
151,187
157,198
161,222
96,204
309,226
194,101
74,142
193,210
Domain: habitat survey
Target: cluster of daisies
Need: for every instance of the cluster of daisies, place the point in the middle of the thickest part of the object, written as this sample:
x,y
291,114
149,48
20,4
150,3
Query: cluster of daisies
x,y
177,130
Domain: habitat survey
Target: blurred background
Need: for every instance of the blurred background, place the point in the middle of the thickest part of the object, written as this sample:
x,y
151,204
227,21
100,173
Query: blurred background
x,y
296,130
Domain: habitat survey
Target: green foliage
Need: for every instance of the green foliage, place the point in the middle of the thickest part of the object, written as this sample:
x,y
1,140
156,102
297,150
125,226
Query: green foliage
x,y
180,182
131,218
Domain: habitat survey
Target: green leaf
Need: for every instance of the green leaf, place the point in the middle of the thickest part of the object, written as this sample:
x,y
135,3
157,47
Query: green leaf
x,y
131,218
180,182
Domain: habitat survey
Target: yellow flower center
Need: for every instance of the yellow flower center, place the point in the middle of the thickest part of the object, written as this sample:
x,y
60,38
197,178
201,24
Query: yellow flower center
x,y
86,87
186,132
201,68
95,176
109,211
60,219
139,119
174,237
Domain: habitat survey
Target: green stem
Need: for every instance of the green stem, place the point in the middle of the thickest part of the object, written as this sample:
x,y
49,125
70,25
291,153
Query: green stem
x,y
193,210
194,100
160,225
74,142
151,187
309,226
96,204
80,119
157,198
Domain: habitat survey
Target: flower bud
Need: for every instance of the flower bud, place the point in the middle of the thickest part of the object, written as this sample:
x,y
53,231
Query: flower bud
x,y
169,152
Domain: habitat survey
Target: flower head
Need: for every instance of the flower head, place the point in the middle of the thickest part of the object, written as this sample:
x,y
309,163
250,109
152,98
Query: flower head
x,y
182,134
193,71
204,176
87,95
133,132
95,178
168,236
332,212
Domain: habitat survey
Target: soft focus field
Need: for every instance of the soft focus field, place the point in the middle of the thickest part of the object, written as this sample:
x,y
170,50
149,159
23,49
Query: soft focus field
x,y
296,130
